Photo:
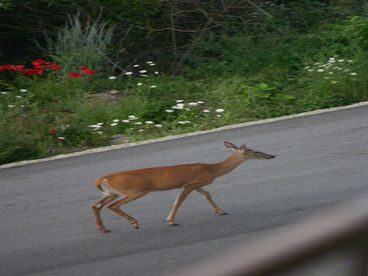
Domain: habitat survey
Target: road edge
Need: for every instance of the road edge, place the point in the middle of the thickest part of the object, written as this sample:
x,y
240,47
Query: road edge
x,y
174,137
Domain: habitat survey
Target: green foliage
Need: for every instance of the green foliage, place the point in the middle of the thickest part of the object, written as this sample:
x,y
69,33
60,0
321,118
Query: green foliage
x,y
77,44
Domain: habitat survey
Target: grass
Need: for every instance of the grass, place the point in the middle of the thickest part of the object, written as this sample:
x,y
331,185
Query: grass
x,y
47,115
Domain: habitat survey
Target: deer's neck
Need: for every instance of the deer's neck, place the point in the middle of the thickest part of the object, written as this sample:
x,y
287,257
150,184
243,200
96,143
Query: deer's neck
x,y
227,165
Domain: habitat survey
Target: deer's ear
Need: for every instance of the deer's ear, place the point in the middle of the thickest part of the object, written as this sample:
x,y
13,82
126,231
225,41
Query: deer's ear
x,y
230,145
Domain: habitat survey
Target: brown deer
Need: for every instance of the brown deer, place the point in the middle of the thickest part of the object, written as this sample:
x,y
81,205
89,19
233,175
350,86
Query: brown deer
x,y
122,187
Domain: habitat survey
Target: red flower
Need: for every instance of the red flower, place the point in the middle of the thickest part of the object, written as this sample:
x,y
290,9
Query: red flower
x,y
74,75
19,68
33,71
40,63
86,70
60,139
52,131
9,67
54,66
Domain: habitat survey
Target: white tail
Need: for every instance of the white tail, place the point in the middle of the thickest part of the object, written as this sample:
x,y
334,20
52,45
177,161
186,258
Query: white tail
x,y
121,187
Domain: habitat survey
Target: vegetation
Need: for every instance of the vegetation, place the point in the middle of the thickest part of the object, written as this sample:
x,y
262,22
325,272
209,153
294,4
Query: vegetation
x,y
135,70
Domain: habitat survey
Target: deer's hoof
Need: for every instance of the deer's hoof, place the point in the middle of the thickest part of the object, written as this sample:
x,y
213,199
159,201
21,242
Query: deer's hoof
x,y
135,225
104,230
172,223
220,212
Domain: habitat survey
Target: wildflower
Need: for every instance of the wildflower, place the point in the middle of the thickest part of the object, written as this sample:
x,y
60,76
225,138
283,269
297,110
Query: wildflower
x,y
149,62
116,120
219,110
180,101
341,60
99,124
95,126
33,71
178,106
23,90
142,71
193,104
132,117
52,131
306,68
149,122
60,139
19,68
99,132
54,66
156,73
152,64
139,84
169,110
353,74
218,116
125,121
181,122
310,70
74,75
136,65
11,105
87,71
8,67
128,73
40,63
4,92
142,75
113,124
330,73
112,78
141,130
19,97
153,86
138,123
158,125
200,102
350,61
333,82
205,111
320,70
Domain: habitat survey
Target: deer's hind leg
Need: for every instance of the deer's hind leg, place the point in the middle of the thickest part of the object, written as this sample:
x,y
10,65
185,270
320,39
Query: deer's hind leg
x,y
96,207
214,206
115,206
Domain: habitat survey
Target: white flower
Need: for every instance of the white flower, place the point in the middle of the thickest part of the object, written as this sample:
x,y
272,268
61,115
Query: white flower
x,y
139,84
340,60
116,120
94,126
158,125
181,122
128,73
141,130
353,74
193,104
149,62
136,65
205,111
99,124
317,63
178,106
350,61
187,122
153,86
200,102
142,71
310,70
60,138
169,110
113,124
331,60
149,122
218,116
23,90
11,105
112,78
138,123
156,73
132,117
219,110
306,68
4,92
330,73
125,121
142,75
19,97
333,82
152,64
320,70
99,132
179,101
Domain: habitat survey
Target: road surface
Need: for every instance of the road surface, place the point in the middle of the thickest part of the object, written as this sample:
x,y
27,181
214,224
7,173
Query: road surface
x,y
47,226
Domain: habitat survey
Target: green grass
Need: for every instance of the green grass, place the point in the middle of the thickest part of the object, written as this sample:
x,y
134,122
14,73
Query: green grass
x,y
229,80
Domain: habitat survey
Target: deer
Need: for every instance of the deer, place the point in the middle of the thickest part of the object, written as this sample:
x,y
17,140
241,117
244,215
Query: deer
x,y
121,187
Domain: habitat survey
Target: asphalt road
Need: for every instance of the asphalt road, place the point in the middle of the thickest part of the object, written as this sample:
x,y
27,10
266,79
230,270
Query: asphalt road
x,y
47,226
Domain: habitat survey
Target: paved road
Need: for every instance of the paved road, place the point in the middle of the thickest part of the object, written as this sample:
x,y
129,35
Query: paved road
x,y
47,226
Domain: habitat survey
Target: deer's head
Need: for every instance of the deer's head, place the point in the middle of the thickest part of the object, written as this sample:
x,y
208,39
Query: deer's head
x,y
247,153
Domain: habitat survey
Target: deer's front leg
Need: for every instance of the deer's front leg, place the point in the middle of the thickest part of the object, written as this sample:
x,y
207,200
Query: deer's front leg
x,y
215,208
179,200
